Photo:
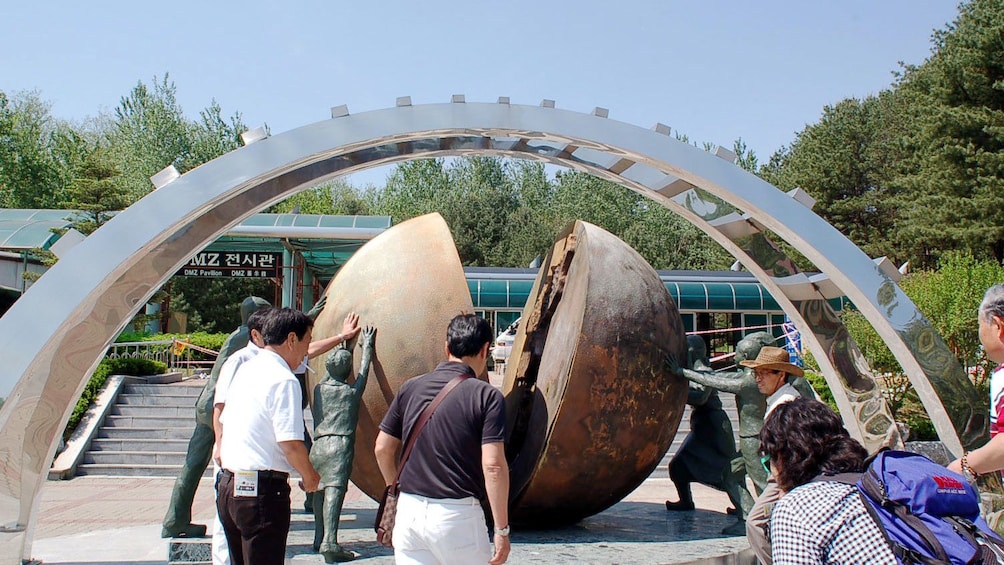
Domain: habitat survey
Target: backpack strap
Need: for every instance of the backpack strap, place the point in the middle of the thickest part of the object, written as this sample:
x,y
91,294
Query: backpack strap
x,y
989,547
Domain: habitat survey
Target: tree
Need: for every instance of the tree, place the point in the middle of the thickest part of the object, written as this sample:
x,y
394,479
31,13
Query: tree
x,y
335,197
664,239
955,181
213,304
847,162
37,153
149,131
96,191
918,170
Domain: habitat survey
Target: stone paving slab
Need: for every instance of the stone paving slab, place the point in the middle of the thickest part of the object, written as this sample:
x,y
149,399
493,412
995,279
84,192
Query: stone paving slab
x,y
117,520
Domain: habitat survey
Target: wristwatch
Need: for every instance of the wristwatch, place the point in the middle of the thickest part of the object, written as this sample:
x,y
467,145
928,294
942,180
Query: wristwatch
x,y
504,532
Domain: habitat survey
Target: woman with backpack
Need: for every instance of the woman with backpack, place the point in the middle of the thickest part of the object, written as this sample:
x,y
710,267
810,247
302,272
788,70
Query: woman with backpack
x,y
818,520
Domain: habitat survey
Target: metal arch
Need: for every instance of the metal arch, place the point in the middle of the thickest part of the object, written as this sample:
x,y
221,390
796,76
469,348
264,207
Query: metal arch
x,y
54,335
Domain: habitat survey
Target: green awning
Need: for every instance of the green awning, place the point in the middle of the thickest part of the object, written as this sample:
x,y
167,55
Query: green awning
x,y
323,257
693,291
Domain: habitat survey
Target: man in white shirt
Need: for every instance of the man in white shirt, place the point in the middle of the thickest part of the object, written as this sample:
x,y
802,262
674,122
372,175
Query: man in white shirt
x,y
350,327
262,441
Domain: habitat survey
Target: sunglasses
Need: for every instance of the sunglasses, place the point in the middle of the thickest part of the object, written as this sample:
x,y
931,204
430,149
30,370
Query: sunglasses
x,y
765,461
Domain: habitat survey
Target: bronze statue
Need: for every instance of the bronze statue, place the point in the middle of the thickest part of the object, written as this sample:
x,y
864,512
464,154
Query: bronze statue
x,y
707,453
178,520
335,409
752,404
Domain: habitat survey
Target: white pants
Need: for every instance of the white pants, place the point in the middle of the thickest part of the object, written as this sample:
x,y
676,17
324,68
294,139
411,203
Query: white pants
x,y
431,531
221,551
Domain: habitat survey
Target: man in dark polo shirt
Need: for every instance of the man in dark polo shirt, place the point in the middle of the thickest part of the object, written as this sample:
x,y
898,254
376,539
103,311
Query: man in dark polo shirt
x,y
457,460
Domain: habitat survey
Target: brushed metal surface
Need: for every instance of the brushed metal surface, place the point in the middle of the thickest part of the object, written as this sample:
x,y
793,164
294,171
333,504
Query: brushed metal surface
x,y
407,282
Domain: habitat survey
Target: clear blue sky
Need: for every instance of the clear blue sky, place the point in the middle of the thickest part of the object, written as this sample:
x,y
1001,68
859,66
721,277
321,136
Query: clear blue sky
x,y
713,70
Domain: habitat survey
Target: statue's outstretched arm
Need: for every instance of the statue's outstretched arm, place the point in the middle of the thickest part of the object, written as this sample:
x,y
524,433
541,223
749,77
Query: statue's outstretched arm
x,y
368,338
725,382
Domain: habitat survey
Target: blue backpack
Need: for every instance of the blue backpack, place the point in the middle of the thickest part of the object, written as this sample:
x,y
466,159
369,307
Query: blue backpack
x,y
928,514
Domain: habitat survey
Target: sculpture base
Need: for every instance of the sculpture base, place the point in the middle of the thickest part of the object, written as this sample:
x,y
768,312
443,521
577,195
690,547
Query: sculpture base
x,y
181,551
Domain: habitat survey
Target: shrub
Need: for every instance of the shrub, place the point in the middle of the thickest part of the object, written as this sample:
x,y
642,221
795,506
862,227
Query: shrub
x,y
818,382
107,367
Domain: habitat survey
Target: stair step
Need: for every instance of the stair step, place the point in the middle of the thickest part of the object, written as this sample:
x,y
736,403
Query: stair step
x,y
116,421
137,458
156,400
150,411
121,470
171,389
150,445
135,432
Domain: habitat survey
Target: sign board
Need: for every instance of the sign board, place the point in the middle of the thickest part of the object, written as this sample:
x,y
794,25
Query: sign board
x,y
239,264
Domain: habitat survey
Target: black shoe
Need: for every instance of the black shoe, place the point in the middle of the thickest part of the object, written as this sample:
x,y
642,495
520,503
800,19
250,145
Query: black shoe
x,y
679,506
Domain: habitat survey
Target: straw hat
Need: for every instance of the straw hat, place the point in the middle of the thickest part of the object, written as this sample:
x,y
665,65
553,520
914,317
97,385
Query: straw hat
x,y
775,358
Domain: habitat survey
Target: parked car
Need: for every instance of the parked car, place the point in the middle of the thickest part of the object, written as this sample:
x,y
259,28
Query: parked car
x,y
503,343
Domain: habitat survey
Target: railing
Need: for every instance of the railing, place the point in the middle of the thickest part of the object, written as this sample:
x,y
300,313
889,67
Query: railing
x,y
175,353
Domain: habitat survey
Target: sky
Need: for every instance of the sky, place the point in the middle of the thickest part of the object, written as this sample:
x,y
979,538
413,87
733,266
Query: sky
x,y
714,70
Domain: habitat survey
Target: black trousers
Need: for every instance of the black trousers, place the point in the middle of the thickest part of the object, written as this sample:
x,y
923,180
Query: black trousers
x,y
256,527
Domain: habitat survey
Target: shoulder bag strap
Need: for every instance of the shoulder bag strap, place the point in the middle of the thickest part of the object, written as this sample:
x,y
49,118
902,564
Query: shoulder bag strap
x,y
424,418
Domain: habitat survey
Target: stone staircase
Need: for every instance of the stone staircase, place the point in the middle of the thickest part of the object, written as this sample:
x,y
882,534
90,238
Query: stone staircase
x,y
146,432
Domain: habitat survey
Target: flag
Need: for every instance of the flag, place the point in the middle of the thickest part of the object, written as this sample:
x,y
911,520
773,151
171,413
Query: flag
x,y
792,341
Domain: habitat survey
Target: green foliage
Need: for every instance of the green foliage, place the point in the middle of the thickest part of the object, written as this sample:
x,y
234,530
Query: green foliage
x,y
506,213
212,341
213,304
818,382
96,191
106,368
912,414
44,256
955,180
949,299
37,153
335,197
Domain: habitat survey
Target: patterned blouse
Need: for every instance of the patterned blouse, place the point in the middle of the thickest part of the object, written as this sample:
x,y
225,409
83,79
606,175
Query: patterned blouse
x,y
826,522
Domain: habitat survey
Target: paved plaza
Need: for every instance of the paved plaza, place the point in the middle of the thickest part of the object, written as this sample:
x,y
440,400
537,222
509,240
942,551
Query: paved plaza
x,y
117,520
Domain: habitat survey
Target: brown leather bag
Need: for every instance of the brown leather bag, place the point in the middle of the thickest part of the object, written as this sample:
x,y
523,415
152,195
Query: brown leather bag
x,y
386,515
387,512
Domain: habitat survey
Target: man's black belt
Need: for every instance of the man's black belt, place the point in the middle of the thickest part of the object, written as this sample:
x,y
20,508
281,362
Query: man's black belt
x,y
263,475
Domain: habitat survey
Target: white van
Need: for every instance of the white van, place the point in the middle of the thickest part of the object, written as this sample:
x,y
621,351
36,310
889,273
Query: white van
x,y
503,343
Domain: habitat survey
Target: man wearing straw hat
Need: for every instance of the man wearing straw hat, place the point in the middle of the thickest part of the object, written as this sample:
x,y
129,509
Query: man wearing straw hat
x,y
773,370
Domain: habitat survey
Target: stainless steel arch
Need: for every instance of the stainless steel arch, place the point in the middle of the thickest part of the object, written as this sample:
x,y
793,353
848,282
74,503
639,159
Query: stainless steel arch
x,y
54,335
